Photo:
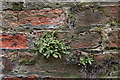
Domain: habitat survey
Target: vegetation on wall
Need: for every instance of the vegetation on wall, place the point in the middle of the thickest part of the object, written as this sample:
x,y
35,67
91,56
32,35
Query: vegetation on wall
x,y
82,60
48,45
87,59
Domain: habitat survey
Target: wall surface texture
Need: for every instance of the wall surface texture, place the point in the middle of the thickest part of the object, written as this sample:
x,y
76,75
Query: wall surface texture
x,y
88,27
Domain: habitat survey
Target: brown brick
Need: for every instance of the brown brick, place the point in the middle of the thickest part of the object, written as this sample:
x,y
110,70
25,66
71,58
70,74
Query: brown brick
x,y
114,40
13,41
87,18
113,11
89,40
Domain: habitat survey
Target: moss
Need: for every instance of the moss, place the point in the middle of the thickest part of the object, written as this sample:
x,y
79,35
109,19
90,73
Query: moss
x,y
110,34
71,15
25,61
104,10
55,5
113,68
114,21
77,7
17,6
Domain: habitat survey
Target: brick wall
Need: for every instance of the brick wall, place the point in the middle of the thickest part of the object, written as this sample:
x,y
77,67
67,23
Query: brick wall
x,y
89,26
86,25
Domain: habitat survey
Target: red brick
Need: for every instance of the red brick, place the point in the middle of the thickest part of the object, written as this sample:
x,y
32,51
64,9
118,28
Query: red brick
x,y
13,41
10,78
30,78
35,17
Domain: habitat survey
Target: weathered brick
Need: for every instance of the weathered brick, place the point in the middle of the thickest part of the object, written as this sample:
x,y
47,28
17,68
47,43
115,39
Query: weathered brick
x,y
8,65
87,17
114,40
100,57
78,37
35,17
113,11
13,41
89,40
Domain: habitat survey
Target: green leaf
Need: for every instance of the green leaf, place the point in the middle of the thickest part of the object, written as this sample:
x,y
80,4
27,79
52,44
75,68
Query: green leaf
x,y
55,55
36,53
48,55
40,50
90,62
83,63
67,52
48,45
45,54
72,60
59,55
35,48
49,52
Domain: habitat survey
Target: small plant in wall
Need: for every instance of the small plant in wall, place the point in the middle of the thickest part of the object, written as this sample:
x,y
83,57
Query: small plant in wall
x,y
82,59
85,60
48,45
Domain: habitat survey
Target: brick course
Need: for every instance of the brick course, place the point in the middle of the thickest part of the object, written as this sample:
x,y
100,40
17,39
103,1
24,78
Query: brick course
x,y
34,17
